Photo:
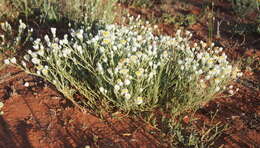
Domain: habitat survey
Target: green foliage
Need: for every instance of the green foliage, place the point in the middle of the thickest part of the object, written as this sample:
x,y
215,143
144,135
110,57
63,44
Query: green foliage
x,y
245,28
244,7
179,20
188,131
139,3
55,10
251,63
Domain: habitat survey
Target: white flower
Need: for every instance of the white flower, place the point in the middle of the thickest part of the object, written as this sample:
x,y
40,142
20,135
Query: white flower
x,y
45,71
13,60
124,91
217,80
102,49
26,84
116,88
217,89
46,38
240,74
7,61
53,31
127,82
38,72
199,72
22,25
40,52
231,92
26,57
66,52
79,34
36,47
101,89
79,48
127,96
34,54
36,61
134,49
139,100
124,71
180,62
30,52
207,77
23,63
99,68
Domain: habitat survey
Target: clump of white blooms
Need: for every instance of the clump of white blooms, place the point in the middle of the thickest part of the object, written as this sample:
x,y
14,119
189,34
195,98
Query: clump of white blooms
x,y
11,39
131,67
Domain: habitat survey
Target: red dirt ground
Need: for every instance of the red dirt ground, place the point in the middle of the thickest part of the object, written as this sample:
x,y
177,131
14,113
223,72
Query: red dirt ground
x,y
39,117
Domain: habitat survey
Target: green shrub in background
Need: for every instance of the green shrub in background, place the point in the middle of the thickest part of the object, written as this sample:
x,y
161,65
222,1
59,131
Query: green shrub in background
x,y
55,10
139,3
244,7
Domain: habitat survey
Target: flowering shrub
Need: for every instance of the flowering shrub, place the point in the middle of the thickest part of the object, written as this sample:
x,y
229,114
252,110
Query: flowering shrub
x,y
8,43
130,68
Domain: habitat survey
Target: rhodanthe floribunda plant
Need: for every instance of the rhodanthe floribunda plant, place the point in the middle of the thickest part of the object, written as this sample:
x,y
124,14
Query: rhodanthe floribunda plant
x,y
10,39
130,68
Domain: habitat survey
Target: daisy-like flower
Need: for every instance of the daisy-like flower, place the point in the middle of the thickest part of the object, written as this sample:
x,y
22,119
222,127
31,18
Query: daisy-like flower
x,y
23,63
127,96
13,60
231,92
26,57
7,61
119,82
79,34
105,33
124,91
217,89
127,82
139,73
45,71
22,25
99,68
102,89
139,100
53,31
124,71
106,41
116,88
36,61
133,58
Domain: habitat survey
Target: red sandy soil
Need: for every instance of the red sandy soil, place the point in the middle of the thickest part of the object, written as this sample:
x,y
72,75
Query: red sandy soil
x,y
40,117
